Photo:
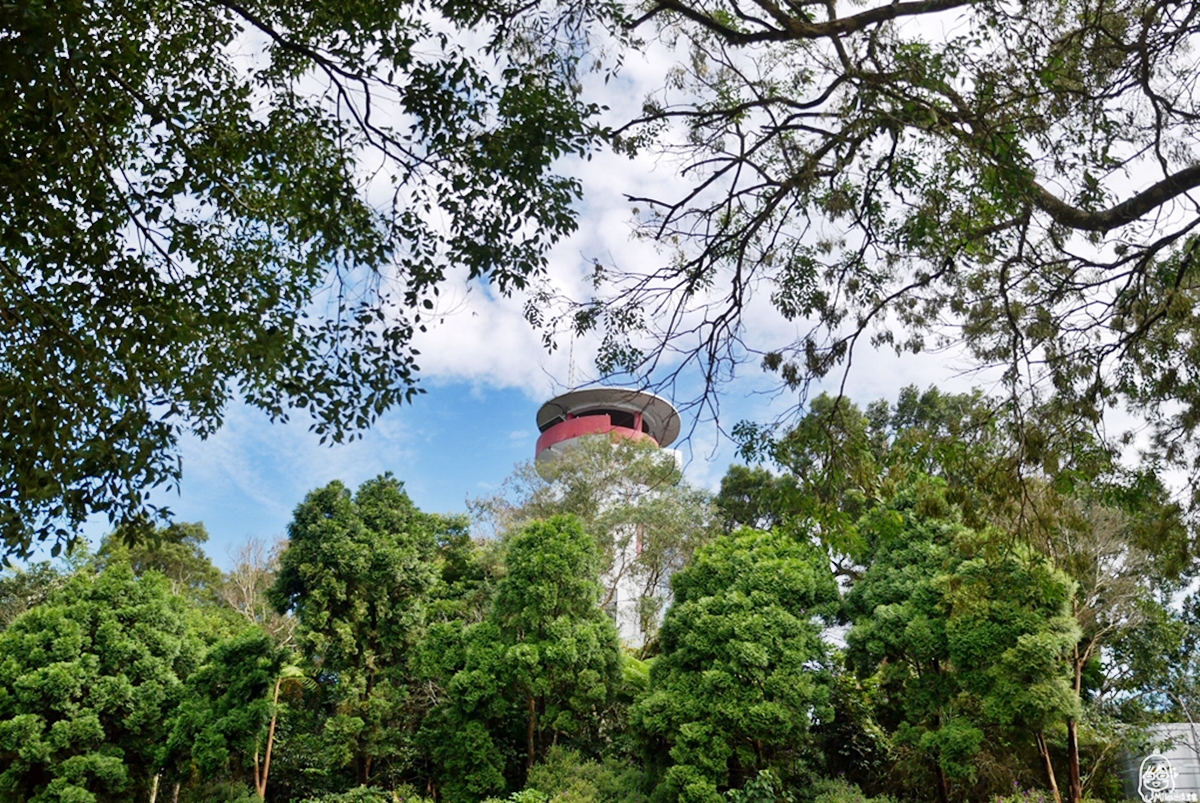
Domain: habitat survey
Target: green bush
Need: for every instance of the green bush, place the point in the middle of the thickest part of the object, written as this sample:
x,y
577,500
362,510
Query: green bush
x,y
564,777
361,794
831,790
766,787
1025,796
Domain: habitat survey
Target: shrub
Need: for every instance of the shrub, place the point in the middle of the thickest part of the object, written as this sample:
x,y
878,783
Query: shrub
x,y
1025,796
566,778
837,790
361,794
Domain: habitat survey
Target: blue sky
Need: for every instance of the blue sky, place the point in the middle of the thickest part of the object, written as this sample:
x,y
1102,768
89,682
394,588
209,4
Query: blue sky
x,y
455,441
486,373
458,440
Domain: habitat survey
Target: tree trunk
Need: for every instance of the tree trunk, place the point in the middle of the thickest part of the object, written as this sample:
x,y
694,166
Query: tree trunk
x,y
154,786
1044,749
529,759
175,794
260,781
1075,784
943,784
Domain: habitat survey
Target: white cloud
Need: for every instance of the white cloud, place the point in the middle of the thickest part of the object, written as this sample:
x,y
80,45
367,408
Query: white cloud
x,y
270,467
484,339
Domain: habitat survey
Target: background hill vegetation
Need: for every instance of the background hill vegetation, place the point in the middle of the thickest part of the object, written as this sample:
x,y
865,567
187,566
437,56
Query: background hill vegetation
x,y
884,613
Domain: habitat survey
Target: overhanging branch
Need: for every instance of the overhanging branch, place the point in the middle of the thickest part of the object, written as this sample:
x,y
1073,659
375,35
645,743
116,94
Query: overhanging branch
x,y
1123,213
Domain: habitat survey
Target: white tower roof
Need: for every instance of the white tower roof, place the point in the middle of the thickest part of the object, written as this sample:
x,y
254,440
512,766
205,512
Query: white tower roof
x,y
658,414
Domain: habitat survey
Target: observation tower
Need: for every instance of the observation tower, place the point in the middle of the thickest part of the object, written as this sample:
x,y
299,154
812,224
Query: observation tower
x,y
626,413
566,420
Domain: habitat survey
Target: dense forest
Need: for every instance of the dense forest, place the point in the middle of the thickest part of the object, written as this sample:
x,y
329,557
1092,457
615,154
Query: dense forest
x,y
941,598
893,605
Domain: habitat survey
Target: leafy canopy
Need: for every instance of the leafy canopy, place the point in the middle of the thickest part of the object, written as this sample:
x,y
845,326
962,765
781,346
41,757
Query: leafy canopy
x,y
260,200
967,640
540,671
1014,177
88,684
740,680
356,574
630,497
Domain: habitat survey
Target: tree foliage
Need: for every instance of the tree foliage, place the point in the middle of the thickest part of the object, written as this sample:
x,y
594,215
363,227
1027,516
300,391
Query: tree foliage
x,y
1033,475
88,685
541,671
970,644
1034,479
25,588
630,496
963,658
223,720
740,680
252,200
355,574
560,647
175,551
1016,178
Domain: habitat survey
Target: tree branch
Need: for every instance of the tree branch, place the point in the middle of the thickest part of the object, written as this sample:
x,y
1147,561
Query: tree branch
x,y
1123,213
799,28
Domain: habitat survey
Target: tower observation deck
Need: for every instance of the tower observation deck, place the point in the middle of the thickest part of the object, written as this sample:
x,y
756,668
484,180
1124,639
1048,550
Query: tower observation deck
x,y
634,414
